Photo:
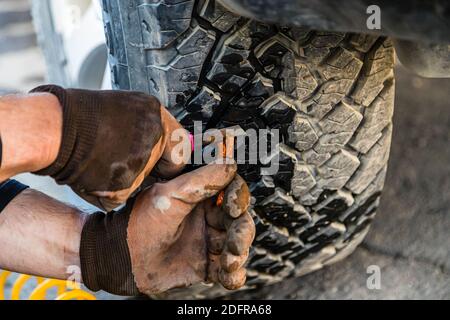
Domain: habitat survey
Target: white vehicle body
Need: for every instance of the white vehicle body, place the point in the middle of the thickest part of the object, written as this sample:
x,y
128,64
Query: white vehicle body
x,y
79,25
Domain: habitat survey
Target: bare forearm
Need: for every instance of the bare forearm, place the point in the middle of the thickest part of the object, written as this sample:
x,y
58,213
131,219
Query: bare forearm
x,y
30,131
40,236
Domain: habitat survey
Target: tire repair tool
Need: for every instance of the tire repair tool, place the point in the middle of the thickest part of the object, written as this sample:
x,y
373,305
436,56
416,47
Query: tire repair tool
x,y
237,131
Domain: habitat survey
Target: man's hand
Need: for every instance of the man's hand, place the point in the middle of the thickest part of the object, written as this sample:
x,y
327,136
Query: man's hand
x,y
160,163
172,235
177,235
111,141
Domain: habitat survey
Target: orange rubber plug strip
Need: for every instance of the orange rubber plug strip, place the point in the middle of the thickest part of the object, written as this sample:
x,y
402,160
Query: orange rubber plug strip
x,y
221,195
238,132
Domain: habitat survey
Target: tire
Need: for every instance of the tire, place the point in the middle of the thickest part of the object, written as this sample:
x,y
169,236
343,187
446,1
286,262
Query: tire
x,y
330,94
51,43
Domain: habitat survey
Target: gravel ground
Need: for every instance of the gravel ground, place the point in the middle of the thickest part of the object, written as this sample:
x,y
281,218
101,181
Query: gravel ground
x,y
409,240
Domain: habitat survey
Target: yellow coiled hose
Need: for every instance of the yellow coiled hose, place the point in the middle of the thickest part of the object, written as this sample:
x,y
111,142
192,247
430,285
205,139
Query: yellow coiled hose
x,y
65,290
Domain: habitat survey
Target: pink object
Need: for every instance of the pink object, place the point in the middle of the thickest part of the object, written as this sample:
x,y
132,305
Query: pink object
x,y
191,139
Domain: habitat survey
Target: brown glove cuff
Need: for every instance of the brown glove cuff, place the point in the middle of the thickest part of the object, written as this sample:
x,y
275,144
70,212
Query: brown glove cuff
x,y
81,116
104,254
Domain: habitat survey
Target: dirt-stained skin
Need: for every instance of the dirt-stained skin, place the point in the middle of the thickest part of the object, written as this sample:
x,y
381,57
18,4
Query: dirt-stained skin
x,y
177,236
237,197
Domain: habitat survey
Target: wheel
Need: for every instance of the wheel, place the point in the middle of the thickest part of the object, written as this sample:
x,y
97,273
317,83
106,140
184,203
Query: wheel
x,y
330,95
70,34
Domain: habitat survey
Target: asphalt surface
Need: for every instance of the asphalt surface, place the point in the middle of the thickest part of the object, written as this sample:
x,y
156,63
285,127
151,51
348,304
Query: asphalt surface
x,y
410,237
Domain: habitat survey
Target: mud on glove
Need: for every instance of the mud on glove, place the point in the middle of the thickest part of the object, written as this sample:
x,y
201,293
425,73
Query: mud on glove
x,y
108,137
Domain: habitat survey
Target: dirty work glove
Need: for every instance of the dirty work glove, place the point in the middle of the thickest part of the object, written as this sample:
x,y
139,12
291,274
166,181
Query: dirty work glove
x,y
111,142
173,235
